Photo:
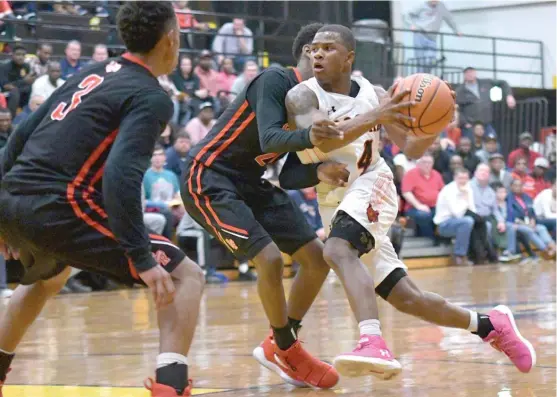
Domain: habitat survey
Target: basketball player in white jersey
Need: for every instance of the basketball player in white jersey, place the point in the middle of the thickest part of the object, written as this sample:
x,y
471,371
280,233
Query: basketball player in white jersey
x,y
360,214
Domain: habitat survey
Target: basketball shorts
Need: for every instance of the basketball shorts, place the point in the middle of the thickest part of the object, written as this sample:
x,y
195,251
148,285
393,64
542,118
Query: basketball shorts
x,y
51,235
245,216
369,208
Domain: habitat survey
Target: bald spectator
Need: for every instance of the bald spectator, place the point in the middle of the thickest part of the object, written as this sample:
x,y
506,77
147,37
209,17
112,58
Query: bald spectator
x,y
45,85
420,188
234,39
33,105
498,172
72,63
39,63
474,101
100,54
525,140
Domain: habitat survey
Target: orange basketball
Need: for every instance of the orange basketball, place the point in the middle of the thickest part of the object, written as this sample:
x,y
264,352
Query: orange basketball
x,y
434,107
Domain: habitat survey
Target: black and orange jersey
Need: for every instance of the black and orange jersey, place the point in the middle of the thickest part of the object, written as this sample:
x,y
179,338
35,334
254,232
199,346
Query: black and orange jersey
x,y
90,143
251,133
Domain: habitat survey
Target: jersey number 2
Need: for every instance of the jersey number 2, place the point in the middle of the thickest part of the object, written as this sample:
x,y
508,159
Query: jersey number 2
x,y
87,85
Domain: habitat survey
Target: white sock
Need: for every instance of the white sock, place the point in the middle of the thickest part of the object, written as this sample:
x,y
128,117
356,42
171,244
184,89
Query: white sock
x,y
370,327
165,359
473,327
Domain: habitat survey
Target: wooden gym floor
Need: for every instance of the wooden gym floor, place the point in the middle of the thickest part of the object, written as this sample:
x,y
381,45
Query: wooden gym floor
x,y
104,344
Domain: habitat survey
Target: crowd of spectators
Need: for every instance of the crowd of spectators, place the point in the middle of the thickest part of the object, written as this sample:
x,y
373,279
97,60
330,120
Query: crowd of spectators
x,y
463,189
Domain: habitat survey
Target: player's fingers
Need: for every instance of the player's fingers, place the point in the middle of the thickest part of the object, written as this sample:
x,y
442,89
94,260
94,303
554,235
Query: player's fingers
x,y
403,105
400,96
161,293
170,289
403,117
392,88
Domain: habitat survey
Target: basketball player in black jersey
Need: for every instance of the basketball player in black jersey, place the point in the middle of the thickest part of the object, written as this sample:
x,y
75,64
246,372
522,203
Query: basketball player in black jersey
x,y
71,192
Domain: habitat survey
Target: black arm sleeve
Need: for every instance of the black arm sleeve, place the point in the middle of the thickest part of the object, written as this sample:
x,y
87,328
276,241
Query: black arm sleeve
x,y
295,175
23,131
141,125
266,95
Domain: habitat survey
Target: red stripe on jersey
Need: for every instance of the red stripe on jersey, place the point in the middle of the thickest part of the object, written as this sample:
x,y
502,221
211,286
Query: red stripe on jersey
x,y
233,137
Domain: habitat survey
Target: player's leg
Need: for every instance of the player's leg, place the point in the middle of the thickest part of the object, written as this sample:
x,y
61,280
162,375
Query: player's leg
x,y
217,204
497,326
23,308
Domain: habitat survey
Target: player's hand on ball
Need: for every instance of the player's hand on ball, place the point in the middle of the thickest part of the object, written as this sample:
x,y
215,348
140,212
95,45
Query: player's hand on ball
x,y
333,173
390,107
161,285
323,130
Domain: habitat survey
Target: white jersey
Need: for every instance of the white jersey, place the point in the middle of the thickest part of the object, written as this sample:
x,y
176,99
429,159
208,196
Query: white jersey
x,y
358,155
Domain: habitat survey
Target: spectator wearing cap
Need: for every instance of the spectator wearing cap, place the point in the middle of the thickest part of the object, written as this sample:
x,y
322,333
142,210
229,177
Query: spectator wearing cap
x,y
176,154
525,140
454,163
498,173
208,77
520,172
545,207
72,63
541,165
199,126
234,39
250,71
470,160
474,101
489,147
420,188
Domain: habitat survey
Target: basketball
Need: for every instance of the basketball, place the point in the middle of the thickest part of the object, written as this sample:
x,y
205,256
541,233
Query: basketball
x,y
434,107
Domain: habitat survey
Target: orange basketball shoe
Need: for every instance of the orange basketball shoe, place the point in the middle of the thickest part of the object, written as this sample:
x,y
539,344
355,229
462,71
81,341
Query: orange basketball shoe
x,y
160,390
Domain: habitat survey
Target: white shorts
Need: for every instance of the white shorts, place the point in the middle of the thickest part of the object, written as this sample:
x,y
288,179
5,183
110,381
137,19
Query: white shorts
x,y
372,201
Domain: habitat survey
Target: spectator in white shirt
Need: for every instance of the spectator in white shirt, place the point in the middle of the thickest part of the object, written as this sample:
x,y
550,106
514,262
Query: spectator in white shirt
x,y
45,85
454,200
545,207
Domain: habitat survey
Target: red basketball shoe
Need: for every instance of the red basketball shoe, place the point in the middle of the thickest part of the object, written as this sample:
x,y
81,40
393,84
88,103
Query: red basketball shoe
x,y
160,390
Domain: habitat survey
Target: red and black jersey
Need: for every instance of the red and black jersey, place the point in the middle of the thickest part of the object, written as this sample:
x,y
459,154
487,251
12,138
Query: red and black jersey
x,y
90,143
250,134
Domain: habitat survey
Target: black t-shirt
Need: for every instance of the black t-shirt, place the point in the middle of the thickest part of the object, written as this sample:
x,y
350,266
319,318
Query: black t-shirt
x,y
251,133
91,142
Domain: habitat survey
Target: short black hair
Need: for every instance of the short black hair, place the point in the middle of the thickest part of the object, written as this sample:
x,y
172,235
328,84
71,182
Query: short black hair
x,y
304,37
143,23
497,185
19,47
347,38
467,69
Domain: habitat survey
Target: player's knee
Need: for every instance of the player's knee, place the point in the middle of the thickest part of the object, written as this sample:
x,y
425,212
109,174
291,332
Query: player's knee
x,y
336,252
188,270
269,263
54,285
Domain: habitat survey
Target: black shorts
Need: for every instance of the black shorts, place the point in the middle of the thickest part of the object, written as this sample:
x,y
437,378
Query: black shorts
x,y
244,216
347,228
52,234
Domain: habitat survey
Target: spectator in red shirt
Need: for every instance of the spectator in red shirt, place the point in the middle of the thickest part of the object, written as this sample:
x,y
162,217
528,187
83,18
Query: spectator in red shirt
x,y
208,77
541,165
525,141
520,172
185,18
420,188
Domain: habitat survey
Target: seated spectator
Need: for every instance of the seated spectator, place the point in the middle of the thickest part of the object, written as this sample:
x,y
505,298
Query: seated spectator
x,y
72,63
454,163
45,85
474,101
38,64
234,39
16,78
306,200
153,220
200,126
541,165
186,20
5,126
545,208
100,54
251,69
489,147
453,203
521,213
34,104
441,158
478,138
227,75
520,172
420,188
485,201
176,155
498,172
525,140
469,159
208,77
